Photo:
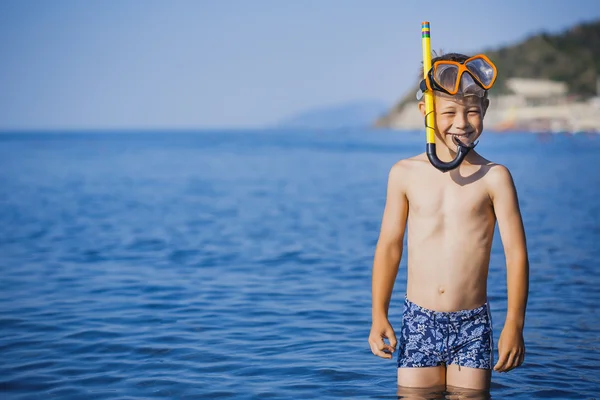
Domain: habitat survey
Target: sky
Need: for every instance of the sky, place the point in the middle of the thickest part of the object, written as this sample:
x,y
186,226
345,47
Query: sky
x,y
150,64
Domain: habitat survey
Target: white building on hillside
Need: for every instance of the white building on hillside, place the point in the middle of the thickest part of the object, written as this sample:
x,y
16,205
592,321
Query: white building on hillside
x,y
541,105
538,92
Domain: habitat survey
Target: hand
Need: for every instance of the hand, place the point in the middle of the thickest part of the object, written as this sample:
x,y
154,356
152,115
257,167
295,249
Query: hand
x,y
382,329
511,349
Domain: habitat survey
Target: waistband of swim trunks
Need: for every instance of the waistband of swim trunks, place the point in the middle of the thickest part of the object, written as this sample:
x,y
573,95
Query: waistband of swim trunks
x,y
441,316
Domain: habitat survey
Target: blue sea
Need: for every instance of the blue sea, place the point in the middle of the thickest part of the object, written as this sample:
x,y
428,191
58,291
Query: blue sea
x,y
237,264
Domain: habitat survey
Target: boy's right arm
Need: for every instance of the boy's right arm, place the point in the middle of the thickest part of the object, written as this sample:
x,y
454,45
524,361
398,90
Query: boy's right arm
x,y
388,253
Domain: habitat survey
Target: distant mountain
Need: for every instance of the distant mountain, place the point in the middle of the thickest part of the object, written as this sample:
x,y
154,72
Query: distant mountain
x,y
359,114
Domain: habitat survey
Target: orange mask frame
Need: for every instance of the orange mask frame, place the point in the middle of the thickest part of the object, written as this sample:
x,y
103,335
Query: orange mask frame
x,y
462,67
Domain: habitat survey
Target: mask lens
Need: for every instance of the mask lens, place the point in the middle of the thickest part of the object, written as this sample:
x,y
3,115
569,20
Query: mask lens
x,y
469,87
445,75
482,70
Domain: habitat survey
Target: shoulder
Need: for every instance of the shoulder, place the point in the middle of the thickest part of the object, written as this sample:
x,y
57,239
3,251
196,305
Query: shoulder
x,y
499,173
406,168
494,172
408,165
499,179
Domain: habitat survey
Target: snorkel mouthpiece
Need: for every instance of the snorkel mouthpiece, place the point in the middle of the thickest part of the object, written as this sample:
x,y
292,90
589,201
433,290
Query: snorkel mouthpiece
x,y
462,152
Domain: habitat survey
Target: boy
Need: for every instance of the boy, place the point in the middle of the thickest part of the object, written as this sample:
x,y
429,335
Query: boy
x,y
446,337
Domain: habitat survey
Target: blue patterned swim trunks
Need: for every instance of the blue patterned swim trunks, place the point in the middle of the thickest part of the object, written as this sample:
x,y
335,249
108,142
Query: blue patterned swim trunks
x,y
430,338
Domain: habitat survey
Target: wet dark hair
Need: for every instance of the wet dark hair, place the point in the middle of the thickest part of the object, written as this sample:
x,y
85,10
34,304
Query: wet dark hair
x,y
458,57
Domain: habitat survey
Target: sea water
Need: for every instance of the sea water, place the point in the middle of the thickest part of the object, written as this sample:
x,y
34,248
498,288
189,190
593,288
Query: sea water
x,y
237,264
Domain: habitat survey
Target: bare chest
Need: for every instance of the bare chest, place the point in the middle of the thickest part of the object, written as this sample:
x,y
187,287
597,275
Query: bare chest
x,y
443,197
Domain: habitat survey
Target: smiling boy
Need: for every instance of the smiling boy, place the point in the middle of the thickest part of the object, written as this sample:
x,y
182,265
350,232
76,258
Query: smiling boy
x,y
449,217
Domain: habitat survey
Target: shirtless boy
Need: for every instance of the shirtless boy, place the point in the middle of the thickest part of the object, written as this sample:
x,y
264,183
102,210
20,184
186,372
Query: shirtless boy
x,y
446,338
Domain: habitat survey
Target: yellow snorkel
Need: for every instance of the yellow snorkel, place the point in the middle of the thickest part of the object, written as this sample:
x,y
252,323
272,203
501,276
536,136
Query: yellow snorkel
x,y
429,106
429,112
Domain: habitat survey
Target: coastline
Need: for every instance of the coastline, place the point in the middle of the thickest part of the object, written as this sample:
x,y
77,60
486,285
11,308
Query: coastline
x,y
511,113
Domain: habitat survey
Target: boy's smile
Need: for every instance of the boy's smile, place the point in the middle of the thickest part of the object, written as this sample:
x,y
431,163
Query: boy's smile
x,y
461,136
458,118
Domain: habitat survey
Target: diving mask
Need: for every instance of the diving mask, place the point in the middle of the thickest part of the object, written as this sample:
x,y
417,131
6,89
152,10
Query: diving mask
x,y
474,76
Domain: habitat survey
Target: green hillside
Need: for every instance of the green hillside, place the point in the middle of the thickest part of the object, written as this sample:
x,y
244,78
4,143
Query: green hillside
x,y
572,56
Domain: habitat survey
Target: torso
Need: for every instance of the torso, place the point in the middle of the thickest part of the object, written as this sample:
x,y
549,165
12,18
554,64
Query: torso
x,y
450,230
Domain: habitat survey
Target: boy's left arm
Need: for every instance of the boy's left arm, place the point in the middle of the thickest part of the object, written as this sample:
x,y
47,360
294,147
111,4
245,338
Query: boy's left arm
x,y
511,349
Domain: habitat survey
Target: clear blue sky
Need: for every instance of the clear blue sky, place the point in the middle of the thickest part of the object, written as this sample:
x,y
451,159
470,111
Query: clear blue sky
x,y
224,63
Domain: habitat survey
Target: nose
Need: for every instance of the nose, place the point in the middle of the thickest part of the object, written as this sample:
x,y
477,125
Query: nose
x,y
460,121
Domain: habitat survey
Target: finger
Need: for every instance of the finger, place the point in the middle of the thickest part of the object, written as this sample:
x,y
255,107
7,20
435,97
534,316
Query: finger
x,y
510,361
383,345
520,359
501,361
378,347
392,338
387,347
375,350
517,359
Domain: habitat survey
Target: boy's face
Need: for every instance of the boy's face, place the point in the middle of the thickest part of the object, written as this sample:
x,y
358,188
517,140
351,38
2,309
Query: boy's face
x,y
458,116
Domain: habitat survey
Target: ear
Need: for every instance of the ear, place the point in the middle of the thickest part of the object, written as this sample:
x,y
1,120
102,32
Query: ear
x,y
422,108
485,105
